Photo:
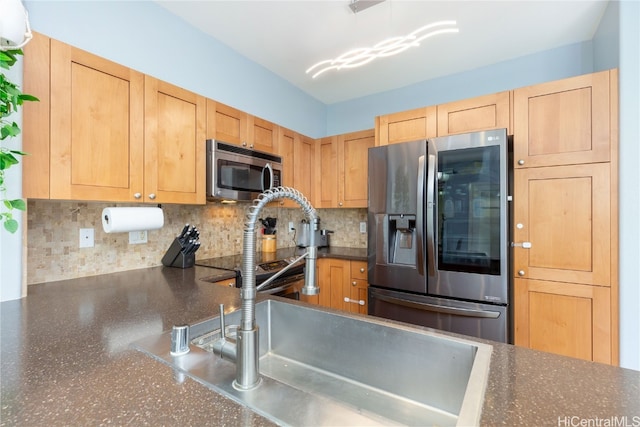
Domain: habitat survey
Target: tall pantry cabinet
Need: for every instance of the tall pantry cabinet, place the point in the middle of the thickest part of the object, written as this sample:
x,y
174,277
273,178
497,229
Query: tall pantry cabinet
x,y
565,208
565,203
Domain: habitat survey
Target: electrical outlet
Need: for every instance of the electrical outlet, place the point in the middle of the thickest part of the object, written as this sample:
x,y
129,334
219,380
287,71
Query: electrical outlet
x,y
136,237
291,227
363,227
86,238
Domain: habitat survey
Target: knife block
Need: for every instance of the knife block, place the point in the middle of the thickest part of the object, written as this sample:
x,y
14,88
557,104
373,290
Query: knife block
x,y
174,257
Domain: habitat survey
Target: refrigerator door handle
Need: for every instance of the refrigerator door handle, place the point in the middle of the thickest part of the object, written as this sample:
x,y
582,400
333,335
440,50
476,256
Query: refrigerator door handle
x,y
439,308
420,217
431,178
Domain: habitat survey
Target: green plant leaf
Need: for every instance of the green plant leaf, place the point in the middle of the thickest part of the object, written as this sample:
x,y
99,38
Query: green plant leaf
x,y
9,130
18,204
11,225
7,160
25,97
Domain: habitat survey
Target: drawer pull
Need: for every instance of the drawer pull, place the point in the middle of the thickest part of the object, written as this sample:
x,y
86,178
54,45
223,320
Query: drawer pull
x,y
355,301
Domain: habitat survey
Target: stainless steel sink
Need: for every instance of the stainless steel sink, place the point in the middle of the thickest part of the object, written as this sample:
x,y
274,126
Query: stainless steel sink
x,y
322,367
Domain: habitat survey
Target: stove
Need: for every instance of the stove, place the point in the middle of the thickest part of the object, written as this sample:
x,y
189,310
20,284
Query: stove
x,y
267,264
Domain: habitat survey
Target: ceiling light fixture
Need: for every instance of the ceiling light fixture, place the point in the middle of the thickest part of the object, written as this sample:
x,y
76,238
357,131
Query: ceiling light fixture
x,y
15,31
360,5
388,47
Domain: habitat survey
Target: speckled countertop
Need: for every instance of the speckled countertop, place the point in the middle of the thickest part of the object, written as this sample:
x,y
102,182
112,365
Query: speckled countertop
x,y
66,361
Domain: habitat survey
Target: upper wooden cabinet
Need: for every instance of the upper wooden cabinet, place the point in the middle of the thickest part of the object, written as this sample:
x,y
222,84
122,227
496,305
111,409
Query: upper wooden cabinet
x,y
286,140
475,114
406,126
353,155
565,122
174,144
326,157
113,135
342,169
237,127
97,127
303,174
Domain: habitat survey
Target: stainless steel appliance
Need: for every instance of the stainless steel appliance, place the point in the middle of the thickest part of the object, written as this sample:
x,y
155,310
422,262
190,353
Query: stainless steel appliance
x,y
288,285
438,246
240,174
304,230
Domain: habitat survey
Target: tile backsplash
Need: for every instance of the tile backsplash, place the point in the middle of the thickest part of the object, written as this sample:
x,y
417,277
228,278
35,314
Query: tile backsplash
x,y
53,251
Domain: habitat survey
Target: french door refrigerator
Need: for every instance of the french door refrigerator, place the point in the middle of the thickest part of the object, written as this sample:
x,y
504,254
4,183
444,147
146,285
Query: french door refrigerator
x,y
438,242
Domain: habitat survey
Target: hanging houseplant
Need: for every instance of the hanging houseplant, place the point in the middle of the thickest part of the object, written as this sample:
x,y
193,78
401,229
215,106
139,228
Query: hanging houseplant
x,y
10,99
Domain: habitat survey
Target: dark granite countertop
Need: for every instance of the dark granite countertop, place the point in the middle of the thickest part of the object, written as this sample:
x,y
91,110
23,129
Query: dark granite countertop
x,y
65,360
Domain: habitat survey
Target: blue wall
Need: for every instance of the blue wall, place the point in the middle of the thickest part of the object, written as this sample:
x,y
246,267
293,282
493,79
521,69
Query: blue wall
x,y
144,36
566,61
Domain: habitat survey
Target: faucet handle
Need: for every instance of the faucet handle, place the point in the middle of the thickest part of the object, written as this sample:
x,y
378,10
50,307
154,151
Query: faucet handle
x,y
222,326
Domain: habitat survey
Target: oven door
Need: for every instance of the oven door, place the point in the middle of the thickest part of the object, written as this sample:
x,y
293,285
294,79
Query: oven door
x,y
286,287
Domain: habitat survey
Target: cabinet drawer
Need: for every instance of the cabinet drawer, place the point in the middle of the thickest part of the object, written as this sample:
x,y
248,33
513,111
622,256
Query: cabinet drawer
x,y
359,270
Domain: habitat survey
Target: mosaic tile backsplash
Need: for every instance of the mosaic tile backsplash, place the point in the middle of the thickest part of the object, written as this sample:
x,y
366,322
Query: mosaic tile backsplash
x,y
53,251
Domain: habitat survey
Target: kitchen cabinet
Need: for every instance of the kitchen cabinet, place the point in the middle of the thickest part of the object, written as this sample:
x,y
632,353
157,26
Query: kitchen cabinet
x,y
358,288
564,318
285,142
114,133
236,127
353,152
342,171
174,144
475,114
303,174
326,179
420,123
565,217
565,122
35,129
564,212
343,284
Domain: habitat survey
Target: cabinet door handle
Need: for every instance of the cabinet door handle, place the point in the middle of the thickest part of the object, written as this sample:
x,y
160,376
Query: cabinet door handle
x,y
521,162
354,301
521,273
152,196
354,283
524,245
361,269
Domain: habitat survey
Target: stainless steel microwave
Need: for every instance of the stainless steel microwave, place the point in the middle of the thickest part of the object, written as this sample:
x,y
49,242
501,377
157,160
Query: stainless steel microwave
x,y
238,173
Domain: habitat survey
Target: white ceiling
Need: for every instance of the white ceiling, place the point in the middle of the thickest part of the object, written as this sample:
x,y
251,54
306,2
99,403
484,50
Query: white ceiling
x,y
287,37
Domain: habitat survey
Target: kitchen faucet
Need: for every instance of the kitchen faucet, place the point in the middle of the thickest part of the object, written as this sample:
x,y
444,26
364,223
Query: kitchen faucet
x,y
246,348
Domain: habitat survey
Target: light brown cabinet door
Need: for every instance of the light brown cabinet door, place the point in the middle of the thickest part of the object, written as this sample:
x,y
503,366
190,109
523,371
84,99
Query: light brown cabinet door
x,y
475,114
35,129
303,174
97,127
174,144
406,126
353,152
226,124
286,139
564,122
564,212
563,318
326,178
333,276
262,135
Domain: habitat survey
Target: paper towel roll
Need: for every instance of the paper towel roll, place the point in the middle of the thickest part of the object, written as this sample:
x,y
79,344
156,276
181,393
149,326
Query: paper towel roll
x,y
121,220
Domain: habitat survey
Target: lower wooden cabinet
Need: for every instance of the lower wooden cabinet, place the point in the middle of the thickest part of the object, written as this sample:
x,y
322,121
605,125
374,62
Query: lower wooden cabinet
x,y
564,318
343,284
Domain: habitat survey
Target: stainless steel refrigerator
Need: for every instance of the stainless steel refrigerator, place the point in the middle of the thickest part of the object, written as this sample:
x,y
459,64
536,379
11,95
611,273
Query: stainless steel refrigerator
x,y
438,233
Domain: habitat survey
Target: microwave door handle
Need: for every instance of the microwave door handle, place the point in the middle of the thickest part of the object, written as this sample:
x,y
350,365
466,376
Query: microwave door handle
x,y
267,168
420,217
431,243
